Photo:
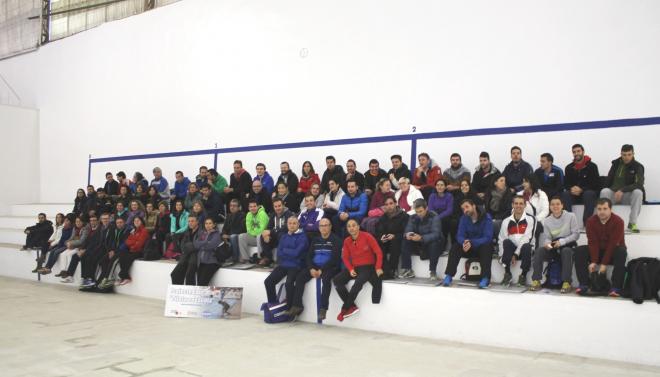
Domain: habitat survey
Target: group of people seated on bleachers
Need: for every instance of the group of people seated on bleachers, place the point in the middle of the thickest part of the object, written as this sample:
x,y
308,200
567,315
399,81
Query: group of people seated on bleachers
x,y
347,225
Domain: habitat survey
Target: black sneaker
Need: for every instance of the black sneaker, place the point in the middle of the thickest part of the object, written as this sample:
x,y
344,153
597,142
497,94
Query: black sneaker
x,y
254,259
522,280
507,279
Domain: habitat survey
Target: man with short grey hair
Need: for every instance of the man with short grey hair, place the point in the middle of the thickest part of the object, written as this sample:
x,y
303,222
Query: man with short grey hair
x,y
161,184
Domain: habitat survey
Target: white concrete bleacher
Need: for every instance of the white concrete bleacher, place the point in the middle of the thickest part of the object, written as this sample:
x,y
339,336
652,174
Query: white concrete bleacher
x,y
547,322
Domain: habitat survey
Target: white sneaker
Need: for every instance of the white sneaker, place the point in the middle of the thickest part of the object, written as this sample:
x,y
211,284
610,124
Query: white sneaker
x,y
68,279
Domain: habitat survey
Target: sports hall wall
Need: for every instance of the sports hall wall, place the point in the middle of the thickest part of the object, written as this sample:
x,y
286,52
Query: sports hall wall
x,y
19,153
201,72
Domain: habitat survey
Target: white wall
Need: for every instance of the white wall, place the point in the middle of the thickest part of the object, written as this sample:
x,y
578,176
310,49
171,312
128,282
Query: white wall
x,y
240,73
19,156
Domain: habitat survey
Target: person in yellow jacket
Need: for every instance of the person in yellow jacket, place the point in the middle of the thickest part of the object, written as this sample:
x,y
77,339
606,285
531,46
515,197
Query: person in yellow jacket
x,y
256,222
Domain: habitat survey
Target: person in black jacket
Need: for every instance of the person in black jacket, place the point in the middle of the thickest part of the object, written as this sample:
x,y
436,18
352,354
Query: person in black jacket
x,y
213,204
352,173
240,183
389,233
111,186
186,268
105,203
234,226
484,175
332,171
115,243
399,169
37,235
271,235
373,176
288,177
581,181
550,176
93,251
625,184
323,261
498,202
516,170
80,203
260,195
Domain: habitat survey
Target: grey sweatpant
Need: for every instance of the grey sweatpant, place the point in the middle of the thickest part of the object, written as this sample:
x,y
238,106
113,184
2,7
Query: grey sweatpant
x,y
634,198
566,254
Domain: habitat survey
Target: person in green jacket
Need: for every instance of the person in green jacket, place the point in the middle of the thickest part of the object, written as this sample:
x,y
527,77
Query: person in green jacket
x,y
256,222
178,225
217,181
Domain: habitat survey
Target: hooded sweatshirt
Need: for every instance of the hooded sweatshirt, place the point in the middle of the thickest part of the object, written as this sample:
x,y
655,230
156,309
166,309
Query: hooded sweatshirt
x,y
256,223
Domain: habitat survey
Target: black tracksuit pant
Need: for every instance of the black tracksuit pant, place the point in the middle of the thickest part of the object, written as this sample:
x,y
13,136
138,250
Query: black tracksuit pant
x,y
275,277
484,253
583,259
185,270
302,279
366,273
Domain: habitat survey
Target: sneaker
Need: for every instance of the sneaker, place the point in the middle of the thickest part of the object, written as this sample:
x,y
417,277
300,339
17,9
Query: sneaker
x,y
44,271
322,314
536,285
406,274
434,276
103,283
353,310
24,247
507,279
340,316
67,279
614,292
522,280
484,283
254,259
565,287
294,311
125,281
446,282
265,263
633,228
87,283
36,269
581,289
61,274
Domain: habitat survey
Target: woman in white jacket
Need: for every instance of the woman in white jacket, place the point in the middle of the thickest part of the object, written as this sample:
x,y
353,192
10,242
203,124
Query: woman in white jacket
x,y
407,195
332,199
536,200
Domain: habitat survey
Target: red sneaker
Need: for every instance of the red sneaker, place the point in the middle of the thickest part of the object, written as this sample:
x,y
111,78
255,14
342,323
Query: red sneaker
x,y
340,316
351,311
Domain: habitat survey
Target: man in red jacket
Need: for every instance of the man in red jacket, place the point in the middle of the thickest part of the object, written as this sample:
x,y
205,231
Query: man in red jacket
x,y
606,245
363,259
426,174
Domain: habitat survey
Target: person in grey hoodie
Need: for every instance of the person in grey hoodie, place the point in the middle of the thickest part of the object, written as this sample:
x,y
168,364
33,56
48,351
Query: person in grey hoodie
x,y
559,237
456,173
205,243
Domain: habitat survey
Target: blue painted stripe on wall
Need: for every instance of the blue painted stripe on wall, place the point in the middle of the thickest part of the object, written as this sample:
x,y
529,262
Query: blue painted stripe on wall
x,y
614,123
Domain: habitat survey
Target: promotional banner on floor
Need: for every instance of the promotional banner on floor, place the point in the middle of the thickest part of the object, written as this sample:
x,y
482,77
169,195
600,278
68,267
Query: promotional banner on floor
x,y
186,301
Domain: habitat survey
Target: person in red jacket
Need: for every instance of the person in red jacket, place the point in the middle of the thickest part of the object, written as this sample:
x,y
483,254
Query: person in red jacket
x,y
307,178
134,245
426,174
363,259
605,245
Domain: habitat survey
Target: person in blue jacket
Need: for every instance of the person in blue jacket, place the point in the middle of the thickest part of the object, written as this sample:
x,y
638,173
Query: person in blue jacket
x,y
180,187
291,254
265,178
353,205
473,240
323,261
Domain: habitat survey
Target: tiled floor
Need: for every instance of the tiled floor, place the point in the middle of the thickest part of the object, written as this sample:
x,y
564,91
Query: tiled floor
x,y
50,330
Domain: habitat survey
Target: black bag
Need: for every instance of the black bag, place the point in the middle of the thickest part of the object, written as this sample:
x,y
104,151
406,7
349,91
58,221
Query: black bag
x,y
598,285
223,252
642,280
472,270
152,251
